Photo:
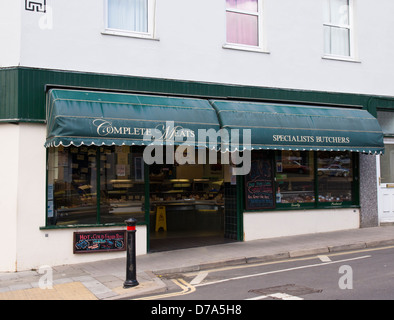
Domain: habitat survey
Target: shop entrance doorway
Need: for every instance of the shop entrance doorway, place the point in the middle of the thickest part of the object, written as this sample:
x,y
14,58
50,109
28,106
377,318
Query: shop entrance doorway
x,y
187,207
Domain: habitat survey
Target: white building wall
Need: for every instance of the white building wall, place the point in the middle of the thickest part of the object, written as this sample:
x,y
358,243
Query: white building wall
x,y
31,164
9,142
189,38
10,32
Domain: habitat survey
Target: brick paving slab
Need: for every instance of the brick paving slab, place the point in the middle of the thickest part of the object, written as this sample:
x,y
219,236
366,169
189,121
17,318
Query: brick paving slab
x,y
66,291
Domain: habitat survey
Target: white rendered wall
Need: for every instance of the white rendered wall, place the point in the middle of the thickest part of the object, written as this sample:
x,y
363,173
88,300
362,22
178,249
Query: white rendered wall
x,y
263,225
10,32
30,213
9,138
189,43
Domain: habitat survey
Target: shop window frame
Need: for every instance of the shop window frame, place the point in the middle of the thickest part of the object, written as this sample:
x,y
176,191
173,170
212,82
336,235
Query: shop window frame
x,y
355,188
297,205
98,200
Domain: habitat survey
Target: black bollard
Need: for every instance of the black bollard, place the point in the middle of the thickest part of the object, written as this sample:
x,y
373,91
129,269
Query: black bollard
x,y
131,271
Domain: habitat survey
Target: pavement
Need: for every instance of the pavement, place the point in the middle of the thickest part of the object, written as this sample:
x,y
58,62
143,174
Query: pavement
x,y
103,280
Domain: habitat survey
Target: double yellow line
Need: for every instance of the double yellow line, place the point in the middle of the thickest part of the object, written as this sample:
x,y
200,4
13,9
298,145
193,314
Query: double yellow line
x,y
187,288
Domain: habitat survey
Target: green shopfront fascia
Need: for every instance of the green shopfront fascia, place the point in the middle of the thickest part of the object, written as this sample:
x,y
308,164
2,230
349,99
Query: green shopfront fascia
x,y
302,156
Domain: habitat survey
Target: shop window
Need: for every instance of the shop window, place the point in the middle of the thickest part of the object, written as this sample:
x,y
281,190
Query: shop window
x,y
295,177
78,195
387,164
307,179
335,176
72,186
259,182
386,121
122,184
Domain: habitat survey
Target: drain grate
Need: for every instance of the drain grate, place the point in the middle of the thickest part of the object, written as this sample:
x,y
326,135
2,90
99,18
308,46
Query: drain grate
x,y
290,289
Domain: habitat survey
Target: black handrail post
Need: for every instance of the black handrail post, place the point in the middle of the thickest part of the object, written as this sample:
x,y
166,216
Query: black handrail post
x,y
131,271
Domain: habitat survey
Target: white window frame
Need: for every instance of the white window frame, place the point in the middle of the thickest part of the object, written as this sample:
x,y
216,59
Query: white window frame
x,y
261,47
133,34
352,48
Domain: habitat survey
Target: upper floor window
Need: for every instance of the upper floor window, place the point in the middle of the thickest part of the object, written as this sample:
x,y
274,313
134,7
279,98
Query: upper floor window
x,y
130,17
244,22
338,28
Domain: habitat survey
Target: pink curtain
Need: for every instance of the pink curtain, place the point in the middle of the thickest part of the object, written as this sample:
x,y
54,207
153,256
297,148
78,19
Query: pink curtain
x,y
242,28
246,5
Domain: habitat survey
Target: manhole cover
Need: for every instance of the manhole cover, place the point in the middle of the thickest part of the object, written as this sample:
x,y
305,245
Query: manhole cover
x,y
291,289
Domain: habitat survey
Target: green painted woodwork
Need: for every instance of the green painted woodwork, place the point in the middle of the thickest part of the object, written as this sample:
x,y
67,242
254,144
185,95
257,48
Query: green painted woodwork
x,y
23,91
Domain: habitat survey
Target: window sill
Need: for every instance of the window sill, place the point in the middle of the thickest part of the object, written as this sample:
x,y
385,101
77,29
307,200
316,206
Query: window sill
x,y
320,206
245,48
339,58
129,34
78,226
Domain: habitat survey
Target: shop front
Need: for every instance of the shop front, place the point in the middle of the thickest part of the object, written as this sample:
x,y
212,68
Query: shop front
x,y
311,158
113,156
305,166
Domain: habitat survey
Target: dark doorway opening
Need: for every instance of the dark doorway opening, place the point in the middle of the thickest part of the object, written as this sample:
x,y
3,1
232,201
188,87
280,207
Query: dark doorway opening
x,y
187,206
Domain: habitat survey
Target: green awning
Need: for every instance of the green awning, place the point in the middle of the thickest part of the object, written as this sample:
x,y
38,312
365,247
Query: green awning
x,y
101,118
77,118
289,127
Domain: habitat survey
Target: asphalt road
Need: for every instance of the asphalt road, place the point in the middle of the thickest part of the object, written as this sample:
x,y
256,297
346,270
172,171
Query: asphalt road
x,y
360,275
